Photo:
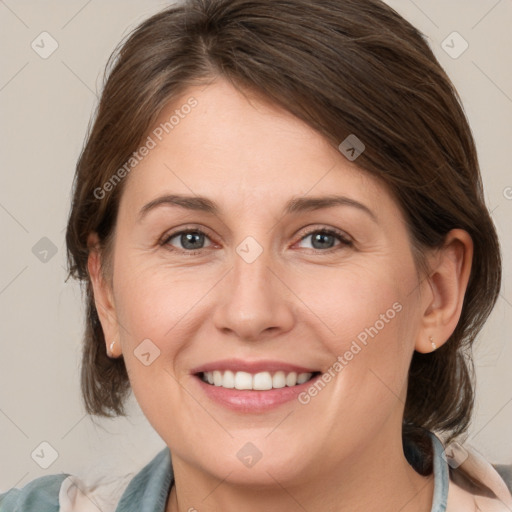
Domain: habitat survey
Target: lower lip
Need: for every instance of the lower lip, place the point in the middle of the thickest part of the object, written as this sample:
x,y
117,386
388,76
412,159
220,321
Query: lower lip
x,y
250,400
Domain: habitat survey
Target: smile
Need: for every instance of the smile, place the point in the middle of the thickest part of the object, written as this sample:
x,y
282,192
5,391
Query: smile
x,y
260,381
253,386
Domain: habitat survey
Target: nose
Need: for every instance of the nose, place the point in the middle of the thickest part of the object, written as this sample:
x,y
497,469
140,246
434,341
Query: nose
x,y
255,302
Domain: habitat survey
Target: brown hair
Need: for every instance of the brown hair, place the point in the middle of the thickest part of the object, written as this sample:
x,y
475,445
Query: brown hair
x,y
343,67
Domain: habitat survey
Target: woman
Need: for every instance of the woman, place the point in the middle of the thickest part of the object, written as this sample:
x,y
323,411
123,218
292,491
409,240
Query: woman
x,y
279,220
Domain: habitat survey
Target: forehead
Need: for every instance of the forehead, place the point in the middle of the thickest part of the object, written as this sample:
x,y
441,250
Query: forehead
x,y
239,149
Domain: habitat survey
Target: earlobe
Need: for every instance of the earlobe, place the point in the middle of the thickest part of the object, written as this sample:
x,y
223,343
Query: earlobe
x,y
103,297
445,290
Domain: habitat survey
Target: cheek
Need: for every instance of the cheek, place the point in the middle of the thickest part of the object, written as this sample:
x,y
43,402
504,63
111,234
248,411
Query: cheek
x,y
369,320
356,303
150,302
149,311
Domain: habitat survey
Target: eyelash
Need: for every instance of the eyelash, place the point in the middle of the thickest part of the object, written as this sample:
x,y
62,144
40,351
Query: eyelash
x,y
345,241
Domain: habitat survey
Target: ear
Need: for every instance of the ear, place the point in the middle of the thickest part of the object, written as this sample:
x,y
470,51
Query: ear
x,y
444,289
103,296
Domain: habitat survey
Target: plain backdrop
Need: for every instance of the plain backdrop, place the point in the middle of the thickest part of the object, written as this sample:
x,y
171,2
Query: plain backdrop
x,y
45,106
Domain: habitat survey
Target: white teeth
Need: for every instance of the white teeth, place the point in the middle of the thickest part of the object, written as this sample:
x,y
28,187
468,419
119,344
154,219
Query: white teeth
x,y
243,380
217,378
279,380
303,377
291,379
228,380
260,381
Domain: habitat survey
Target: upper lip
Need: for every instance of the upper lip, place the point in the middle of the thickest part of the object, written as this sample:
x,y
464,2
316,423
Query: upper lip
x,y
240,365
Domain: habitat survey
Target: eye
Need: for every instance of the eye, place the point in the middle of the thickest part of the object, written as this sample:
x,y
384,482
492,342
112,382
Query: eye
x,y
323,239
190,240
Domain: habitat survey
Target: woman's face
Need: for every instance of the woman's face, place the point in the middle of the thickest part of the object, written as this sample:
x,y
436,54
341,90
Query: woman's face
x,y
256,288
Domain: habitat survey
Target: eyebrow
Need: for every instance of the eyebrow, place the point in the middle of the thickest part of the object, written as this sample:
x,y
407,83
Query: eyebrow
x,y
293,206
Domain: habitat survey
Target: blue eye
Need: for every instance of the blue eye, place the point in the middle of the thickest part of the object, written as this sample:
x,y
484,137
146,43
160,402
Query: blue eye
x,y
323,238
190,240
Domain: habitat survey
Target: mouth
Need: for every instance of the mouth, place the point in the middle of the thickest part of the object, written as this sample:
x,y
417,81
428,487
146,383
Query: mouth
x,y
253,386
261,381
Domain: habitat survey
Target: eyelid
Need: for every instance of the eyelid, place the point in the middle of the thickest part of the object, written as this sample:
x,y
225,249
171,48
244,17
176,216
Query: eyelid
x,y
344,239
332,231
164,242
184,229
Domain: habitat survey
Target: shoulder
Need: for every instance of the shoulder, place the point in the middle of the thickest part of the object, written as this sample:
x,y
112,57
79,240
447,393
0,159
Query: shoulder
x,y
476,485
462,500
65,492
41,494
94,490
505,472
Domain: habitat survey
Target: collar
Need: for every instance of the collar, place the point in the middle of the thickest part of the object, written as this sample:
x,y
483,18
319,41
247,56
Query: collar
x,y
149,489
441,476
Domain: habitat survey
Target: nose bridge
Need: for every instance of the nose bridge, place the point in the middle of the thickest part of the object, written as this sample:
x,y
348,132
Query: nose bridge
x,y
251,269
254,299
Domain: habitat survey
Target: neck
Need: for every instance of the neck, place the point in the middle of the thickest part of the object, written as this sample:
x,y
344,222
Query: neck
x,y
376,479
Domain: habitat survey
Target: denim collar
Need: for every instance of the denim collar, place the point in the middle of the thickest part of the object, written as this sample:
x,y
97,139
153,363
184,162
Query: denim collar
x,y
149,489
441,476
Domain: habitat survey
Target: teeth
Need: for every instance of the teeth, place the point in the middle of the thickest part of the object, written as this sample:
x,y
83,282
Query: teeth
x,y
291,379
243,380
228,380
260,381
303,377
279,380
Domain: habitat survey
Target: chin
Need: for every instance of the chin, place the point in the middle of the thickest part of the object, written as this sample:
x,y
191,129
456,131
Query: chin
x,y
249,465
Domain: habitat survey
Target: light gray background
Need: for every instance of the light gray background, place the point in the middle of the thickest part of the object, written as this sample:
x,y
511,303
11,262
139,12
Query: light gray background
x,y
45,108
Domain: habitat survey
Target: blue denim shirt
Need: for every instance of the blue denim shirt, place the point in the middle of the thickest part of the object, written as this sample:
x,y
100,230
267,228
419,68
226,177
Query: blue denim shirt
x,y
149,489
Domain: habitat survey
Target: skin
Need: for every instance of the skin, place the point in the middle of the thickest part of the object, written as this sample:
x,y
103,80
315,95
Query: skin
x,y
294,303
